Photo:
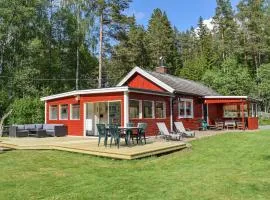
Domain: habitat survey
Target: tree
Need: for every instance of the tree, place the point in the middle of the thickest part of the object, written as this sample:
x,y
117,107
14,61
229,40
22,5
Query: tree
x,y
112,24
231,79
160,40
264,85
254,19
130,52
225,29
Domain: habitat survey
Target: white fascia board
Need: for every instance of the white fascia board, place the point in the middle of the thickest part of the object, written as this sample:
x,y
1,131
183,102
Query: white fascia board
x,y
148,76
225,97
81,92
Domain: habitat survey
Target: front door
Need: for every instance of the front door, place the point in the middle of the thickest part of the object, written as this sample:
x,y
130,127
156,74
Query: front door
x,y
89,119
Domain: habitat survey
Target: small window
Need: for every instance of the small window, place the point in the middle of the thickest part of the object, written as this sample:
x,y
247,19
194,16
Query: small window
x,y
64,111
185,108
75,111
160,110
147,109
134,109
53,115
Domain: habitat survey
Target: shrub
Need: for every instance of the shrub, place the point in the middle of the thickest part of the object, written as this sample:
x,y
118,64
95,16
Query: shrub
x,y
26,111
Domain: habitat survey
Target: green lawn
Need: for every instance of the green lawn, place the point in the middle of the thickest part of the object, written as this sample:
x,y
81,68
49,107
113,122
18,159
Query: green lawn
x,y
230,166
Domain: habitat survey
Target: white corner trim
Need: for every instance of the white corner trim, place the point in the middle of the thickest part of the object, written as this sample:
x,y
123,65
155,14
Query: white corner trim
x,y
45,114
126,108
148,76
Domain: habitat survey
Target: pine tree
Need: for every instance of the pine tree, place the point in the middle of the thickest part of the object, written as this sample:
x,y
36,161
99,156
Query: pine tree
x,y
225,29
160,40
254,19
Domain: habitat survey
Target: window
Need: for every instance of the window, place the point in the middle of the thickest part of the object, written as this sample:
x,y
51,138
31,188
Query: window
x,y
253,110
53,115
234,111
147,109
64,111
160,110
134,109
185,108
75,111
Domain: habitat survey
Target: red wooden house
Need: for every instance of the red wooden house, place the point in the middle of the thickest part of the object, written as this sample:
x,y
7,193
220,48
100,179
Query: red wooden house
x,y
147,96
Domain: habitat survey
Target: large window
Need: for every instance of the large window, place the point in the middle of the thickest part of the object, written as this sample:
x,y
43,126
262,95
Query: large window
x,y
64,111
185,108
234,111
75,111
147,109
53,112
160,110
134,109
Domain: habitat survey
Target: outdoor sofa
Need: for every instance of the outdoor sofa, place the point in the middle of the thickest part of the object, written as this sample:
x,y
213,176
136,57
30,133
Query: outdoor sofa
x,y
38,130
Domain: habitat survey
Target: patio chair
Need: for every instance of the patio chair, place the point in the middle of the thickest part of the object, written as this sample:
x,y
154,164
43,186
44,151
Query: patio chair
x,y
181,129
129,133
240,125
115,134
102,132
168,135
141,132
219,125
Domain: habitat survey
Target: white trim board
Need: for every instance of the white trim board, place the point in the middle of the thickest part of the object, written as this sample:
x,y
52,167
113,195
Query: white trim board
x,y
148,76
81,92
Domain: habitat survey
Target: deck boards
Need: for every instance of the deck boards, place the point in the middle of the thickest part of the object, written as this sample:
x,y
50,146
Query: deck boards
x,y
89,146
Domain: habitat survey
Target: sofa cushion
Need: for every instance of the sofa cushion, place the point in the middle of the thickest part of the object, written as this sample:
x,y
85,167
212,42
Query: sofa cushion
x,y
29,126
39,126
20,127
50,126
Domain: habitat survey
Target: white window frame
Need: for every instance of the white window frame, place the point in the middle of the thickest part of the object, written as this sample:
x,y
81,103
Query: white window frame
x,y
71,110
60,113
50,112
254,108
185,106
140,108
164,109
153,109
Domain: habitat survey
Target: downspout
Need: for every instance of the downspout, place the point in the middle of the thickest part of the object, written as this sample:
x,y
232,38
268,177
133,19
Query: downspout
x,y
171,113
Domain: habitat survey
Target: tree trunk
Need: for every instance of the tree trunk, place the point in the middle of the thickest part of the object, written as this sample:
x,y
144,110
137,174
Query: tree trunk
x,y
2,121
100,51
77,51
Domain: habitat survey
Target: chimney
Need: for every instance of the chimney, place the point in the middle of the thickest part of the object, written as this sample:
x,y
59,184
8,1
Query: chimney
x,y
162,69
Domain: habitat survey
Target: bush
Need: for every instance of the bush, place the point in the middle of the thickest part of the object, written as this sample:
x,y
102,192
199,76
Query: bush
x,y
27,111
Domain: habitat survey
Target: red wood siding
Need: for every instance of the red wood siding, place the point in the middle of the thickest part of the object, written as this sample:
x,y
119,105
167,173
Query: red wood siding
x,y
253,123
215,112
139,81
191,123
152,128
76,127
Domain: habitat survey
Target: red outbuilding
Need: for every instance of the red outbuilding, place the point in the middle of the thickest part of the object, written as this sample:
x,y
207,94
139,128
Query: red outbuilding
x,y
151,97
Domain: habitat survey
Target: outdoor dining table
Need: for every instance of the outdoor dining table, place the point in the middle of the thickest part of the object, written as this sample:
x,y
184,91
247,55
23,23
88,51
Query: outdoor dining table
x,y
125,128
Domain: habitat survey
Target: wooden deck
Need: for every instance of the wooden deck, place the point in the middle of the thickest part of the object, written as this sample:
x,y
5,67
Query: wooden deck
x,y
89,146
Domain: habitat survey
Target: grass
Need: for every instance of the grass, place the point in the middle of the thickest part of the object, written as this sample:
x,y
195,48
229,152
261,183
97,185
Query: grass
x,y
263,121
229,166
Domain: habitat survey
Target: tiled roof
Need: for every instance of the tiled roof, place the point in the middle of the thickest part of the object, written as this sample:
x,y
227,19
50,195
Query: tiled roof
x,y
185,86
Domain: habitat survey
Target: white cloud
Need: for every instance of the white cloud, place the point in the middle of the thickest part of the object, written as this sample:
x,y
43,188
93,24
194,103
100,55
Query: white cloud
x,y
139,15
208,23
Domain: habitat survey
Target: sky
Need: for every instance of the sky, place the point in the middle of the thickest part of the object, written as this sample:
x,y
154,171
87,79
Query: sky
x,y
182,13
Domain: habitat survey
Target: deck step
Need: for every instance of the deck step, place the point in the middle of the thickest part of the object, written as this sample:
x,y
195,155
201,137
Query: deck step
x,y
2,149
